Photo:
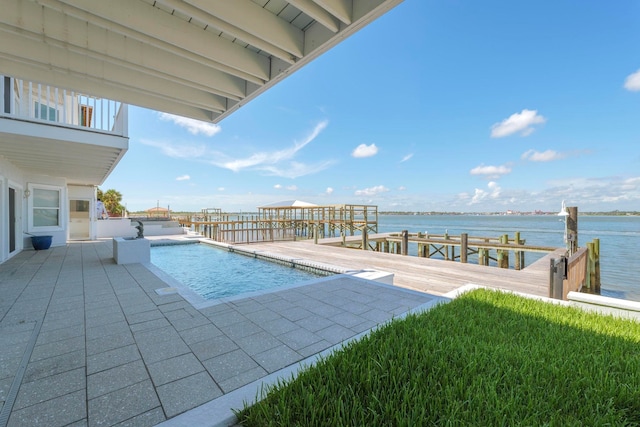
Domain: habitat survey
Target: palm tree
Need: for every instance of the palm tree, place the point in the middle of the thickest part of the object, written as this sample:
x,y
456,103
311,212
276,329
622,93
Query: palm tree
x,y
111,199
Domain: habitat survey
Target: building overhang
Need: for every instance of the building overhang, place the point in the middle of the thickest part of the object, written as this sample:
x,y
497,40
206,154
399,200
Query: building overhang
x,y
80,156
202,59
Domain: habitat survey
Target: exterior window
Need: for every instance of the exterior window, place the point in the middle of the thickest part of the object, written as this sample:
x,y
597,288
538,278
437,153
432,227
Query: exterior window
x,y
44,112
45,208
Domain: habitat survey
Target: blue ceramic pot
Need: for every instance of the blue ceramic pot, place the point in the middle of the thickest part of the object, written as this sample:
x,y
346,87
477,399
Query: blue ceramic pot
x,y
41,242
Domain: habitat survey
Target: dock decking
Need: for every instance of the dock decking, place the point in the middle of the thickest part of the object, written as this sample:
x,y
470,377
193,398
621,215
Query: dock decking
x,y
422,274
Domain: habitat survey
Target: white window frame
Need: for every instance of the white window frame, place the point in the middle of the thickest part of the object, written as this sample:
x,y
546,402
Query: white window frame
x,y
30,208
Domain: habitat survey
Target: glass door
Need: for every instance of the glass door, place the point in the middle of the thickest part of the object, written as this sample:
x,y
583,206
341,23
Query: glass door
x,y
79,219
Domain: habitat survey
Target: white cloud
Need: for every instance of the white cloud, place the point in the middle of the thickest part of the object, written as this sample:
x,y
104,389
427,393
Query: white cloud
x,y
364,150
480,195
220,188
490,171
178,151
522,122
632,82
407,157
329,190
183,178
372,191
402,188
269,161
194,127
277,186
292,187
544,156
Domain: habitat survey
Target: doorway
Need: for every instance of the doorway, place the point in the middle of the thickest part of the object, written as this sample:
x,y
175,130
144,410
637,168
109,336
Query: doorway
x,y
79,219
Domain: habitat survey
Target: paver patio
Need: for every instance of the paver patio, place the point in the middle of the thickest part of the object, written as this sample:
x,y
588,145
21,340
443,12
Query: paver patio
x,y
84,341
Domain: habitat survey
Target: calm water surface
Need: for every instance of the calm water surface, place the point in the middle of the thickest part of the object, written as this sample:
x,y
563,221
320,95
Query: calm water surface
x,y
619,239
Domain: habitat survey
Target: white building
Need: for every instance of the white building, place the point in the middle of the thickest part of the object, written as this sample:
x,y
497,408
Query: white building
x,y
63,63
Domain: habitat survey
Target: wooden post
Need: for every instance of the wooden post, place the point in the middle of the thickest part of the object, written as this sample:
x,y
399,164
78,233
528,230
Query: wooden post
x,y
591,268
596,249
572,229
480,256
446,247
315,234
503,254
365,240
464,241
556,277
517,260
405,242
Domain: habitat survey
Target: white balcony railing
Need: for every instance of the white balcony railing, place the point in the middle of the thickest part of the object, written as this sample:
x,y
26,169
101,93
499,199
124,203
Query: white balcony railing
x,y
39,102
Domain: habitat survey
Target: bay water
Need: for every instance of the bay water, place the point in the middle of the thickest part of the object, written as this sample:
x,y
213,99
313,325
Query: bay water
x,y
619,239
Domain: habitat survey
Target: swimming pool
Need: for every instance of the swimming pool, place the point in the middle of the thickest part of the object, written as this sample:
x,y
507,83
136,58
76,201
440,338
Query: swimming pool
x,y
216,273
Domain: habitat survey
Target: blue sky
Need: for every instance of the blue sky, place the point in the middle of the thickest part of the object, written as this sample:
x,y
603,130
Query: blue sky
x,y
438,105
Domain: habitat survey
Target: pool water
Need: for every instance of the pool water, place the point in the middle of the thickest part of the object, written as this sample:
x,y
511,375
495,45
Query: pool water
x,y
215,273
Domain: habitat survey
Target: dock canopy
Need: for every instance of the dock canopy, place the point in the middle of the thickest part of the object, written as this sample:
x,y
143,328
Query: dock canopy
x,y
288,204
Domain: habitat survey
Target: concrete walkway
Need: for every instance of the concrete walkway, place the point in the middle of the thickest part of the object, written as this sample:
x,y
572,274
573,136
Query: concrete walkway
x,y
87,342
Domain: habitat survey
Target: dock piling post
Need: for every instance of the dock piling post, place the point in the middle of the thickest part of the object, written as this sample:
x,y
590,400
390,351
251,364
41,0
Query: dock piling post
x,y
464,240
405,242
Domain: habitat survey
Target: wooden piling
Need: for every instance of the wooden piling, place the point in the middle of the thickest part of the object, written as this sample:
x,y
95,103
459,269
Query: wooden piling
x,y
464,241
572,229
405,242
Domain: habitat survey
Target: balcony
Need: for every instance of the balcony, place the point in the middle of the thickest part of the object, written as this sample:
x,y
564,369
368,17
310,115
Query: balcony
x,y
59,132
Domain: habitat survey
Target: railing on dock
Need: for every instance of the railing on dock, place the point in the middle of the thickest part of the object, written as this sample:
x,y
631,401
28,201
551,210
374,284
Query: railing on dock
x,y
231,228
578,273
461,248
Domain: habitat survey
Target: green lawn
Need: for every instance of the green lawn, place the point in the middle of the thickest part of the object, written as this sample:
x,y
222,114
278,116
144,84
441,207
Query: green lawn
x,y
487,358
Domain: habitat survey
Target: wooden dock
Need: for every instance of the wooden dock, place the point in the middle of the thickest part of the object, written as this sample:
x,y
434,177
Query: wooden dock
x,y
423,274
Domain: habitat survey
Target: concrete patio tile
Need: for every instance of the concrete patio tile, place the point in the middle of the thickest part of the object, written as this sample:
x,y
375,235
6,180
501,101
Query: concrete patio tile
x,y
103,331
116,378
229,365
213,347
100,345
347,319
279,326
200,333
122,404
385,305
172,306
107,319
173,369
299,338
247,305
262,315
57,348
239,330
227,318
314,323
257,343
144,316
323,309
178,314
56,412
376,315
54,365
167,333
277,358
75,312
155,351
60,334
364,326
190,322
150,325
52,325
51,387
314,348
149,418
355,307
244,378
296,313
335,334
187,393
112,358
